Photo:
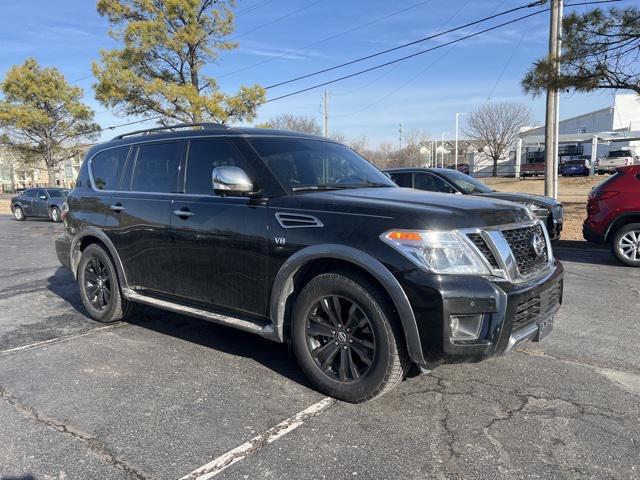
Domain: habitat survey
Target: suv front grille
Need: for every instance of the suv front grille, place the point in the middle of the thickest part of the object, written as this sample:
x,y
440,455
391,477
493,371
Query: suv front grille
x,y
519,239
538,307
480,242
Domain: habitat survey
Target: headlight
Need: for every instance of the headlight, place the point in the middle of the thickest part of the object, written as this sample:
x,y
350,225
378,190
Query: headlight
x,y
537,210
438,252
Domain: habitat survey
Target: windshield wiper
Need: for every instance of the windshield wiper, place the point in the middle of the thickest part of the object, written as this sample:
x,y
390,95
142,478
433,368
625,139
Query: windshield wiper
x,y
322,186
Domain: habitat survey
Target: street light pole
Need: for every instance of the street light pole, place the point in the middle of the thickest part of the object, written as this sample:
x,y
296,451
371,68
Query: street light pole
x,y
456,151
442,146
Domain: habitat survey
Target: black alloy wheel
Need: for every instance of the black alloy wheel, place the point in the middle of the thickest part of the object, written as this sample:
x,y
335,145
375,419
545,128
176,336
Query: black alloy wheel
x,y
99,286
340,338
347,336
97,283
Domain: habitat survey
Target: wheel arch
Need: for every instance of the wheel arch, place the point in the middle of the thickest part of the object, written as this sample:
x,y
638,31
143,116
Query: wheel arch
x,y
297,268
621,221
91,235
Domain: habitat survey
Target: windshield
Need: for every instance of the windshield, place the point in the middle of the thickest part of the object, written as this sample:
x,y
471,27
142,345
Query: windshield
x,y
619,153
55,193
307,164
465,183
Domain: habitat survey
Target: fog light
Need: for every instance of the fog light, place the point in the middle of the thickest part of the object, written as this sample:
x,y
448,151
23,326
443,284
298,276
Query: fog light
x,y
465,327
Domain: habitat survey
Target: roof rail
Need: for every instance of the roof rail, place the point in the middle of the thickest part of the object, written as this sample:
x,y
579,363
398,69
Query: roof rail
x,y
203,125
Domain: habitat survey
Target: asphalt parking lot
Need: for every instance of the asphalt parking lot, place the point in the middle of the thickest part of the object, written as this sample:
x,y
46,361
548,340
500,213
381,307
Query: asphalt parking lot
x,y
163,395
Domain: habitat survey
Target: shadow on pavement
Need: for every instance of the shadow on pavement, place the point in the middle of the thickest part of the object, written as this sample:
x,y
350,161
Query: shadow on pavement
x,y
587,256
272,355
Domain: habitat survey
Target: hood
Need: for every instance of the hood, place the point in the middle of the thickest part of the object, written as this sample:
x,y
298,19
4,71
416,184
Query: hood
x,y
417,208
522,198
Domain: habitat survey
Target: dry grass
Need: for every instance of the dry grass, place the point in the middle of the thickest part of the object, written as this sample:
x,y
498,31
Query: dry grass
x,y
572,192
4,204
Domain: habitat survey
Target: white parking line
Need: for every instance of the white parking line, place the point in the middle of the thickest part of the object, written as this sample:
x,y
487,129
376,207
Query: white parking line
x,y
59,339
216,466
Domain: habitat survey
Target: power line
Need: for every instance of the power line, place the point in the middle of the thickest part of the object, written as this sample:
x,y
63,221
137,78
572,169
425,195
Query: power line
x,y
290,14
252,8
397,60
112,127
331,37
405,45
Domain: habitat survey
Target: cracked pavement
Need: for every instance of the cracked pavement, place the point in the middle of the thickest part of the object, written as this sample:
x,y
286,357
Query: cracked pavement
x,y
162,395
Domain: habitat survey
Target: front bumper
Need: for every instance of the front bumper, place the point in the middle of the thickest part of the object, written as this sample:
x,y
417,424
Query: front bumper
x,y
511,313
63,250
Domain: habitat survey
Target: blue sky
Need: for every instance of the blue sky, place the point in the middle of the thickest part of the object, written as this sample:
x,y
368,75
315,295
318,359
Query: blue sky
x,y
423,93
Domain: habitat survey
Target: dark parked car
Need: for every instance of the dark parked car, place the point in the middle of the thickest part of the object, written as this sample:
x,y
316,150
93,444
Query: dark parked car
x,y
462,167
39,202
613,215
297,238
547,209
576,166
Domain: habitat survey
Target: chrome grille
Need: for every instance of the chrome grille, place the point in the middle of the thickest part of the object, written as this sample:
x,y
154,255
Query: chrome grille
x,y
480,242
519,240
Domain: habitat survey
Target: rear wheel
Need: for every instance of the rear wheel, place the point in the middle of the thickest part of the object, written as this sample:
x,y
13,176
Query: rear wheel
x,y
55,215
346,337
99,287
18,213
626,245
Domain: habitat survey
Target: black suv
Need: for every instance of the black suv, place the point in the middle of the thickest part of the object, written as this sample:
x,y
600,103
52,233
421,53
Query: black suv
x,y
298,238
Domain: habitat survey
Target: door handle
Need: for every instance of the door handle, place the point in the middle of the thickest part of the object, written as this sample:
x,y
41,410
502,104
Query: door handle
x,y
183,213
116,208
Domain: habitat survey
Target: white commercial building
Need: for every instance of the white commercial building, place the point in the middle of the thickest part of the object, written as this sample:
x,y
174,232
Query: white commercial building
x,y
622,116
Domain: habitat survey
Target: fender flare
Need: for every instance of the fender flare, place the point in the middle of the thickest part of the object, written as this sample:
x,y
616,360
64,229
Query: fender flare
x,y
89,231
618,218
283,288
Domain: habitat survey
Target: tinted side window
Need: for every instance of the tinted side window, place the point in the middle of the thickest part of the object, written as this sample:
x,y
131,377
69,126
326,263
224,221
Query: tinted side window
x,y
426,181
29,193
402,179
156,168
106,168
40,193
204,156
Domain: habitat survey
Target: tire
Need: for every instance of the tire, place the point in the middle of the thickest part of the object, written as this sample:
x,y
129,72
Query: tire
x,y
56,217
18,213
626,245
96,271
356,351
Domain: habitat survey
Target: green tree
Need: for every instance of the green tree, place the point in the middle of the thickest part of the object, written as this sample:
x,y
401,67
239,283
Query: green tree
x,y
42,116
159,70
600,50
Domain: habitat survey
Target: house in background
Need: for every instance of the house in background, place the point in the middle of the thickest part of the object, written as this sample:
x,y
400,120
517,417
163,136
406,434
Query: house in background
x,y
15,174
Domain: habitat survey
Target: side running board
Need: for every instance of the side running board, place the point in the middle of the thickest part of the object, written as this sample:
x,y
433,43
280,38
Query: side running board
x,y
265,331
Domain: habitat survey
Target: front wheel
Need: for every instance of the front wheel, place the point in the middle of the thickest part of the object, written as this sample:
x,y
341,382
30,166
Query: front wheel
x,y
99,287
626,245
346,337
18,213
55,215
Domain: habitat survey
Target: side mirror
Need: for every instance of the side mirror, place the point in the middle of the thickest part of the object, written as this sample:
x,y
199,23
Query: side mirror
x,y
231,181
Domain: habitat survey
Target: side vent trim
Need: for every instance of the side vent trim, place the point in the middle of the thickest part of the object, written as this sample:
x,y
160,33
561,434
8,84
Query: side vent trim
x,y
295,220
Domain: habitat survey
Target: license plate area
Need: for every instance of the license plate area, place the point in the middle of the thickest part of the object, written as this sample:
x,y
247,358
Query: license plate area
x,y
544,327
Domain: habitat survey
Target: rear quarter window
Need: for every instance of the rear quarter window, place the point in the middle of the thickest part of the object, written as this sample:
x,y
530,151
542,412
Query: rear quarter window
x,y
106,167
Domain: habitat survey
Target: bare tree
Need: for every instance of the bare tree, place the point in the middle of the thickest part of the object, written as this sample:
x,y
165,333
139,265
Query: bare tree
x,y
296,123
359,144
497,125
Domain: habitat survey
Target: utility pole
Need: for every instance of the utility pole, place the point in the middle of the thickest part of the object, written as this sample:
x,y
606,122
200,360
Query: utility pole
x,y
325,112
400,137
442,154
551,117
456,149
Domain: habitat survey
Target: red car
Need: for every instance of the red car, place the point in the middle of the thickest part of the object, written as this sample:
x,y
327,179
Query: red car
x,y
613,215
